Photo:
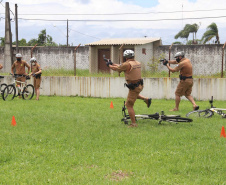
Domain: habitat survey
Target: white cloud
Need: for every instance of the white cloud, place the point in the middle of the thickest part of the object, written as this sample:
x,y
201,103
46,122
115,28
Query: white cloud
x,y
165,29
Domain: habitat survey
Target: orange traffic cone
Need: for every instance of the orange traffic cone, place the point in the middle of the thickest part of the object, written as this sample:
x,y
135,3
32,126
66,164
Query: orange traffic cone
x,y
223,132
111,106
13,121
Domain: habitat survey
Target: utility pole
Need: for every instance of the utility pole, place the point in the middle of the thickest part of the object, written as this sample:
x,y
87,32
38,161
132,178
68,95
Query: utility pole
x,y
67,32
16,27
8,52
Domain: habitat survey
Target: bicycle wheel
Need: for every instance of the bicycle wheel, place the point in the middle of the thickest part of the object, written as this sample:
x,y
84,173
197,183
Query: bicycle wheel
x,y
9,92
176,119
200,113
126,119
28,92
3,86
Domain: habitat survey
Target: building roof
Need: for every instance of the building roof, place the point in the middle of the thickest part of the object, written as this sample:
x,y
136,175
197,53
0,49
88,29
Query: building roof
x,y
126,41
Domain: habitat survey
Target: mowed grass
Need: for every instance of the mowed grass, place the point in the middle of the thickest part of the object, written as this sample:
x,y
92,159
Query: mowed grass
x,y
75,140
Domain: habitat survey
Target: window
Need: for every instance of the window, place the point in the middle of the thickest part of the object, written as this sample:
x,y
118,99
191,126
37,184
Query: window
x,y
144,51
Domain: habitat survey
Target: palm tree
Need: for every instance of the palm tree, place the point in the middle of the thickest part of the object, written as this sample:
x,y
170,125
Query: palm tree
x,y
193,28
188,28
182,34
211,31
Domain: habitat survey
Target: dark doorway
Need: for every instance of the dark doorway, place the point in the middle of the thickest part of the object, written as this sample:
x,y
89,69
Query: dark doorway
x,y
102,67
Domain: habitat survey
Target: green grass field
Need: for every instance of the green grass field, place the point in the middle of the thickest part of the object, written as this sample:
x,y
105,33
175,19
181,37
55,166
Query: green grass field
x,y
76,140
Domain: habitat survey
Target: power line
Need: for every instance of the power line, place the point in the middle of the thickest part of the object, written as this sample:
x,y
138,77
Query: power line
x,y
122,20
85,34
127,13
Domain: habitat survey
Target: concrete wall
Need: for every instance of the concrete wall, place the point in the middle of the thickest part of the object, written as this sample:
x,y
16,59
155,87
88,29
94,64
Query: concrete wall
x,y
157,88
144,58
52,57
206,59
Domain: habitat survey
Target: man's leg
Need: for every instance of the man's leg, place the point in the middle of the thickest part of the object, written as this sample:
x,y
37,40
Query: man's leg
x,y
131,98
191,99
177,102
146,100
37,86
37,91
132,115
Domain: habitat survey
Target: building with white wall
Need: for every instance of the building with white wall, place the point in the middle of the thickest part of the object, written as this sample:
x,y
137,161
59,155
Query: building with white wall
x,y
113,49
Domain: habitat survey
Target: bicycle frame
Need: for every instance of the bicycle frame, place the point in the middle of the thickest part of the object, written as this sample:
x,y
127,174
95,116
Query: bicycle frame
x,y
21,87
18,88
160,117
209,112
219,111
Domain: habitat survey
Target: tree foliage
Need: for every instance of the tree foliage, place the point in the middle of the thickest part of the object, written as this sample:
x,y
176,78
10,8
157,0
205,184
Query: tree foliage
x,y
211,32
42,40
188,28
2,40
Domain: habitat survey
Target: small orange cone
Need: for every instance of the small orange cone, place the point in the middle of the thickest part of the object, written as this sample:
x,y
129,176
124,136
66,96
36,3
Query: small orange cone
x,y
13,121
111,106
223,132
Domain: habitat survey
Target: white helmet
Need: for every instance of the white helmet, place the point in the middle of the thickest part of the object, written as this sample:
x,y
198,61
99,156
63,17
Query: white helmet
x,y
128,53
18,55
33,59
180,53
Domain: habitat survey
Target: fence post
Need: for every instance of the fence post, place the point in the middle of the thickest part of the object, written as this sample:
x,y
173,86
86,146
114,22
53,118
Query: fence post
x,y
222,65
169,55
33,49
120,55
75,59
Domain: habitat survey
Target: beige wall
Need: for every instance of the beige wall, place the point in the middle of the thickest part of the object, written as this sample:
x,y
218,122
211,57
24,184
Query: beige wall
x,y
106,87
144,58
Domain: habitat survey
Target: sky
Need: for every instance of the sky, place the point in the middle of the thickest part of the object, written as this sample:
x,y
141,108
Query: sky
x,y
93,20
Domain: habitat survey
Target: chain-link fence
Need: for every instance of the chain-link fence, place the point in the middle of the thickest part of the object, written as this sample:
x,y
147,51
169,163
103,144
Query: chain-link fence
x,y
207,60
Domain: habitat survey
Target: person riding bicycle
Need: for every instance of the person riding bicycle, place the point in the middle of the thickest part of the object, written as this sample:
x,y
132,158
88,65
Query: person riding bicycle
x,y
36,72
132,70
20,65
184,87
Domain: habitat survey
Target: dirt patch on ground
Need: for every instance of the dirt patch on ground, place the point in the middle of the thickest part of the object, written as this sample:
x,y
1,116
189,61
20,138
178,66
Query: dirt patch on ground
x,y
118,175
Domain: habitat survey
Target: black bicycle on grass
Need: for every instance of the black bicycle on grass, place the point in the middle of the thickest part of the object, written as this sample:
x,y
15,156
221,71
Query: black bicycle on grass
x,y
2,86
160,117
209,112
14,90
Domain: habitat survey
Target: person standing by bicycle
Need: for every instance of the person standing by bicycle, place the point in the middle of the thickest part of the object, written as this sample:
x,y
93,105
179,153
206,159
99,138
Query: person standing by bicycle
x,y
184,87
36,72
19,66
132,70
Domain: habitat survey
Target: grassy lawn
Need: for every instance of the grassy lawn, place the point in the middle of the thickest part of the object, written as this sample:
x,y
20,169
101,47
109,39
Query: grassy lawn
x,y
147,74
75,140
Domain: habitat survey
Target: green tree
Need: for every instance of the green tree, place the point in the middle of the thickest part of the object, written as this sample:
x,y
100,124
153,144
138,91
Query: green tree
x,y
182,34
21,42
188,28
193,28
211,32
2,40
32,42
45,40
177,42
197,41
